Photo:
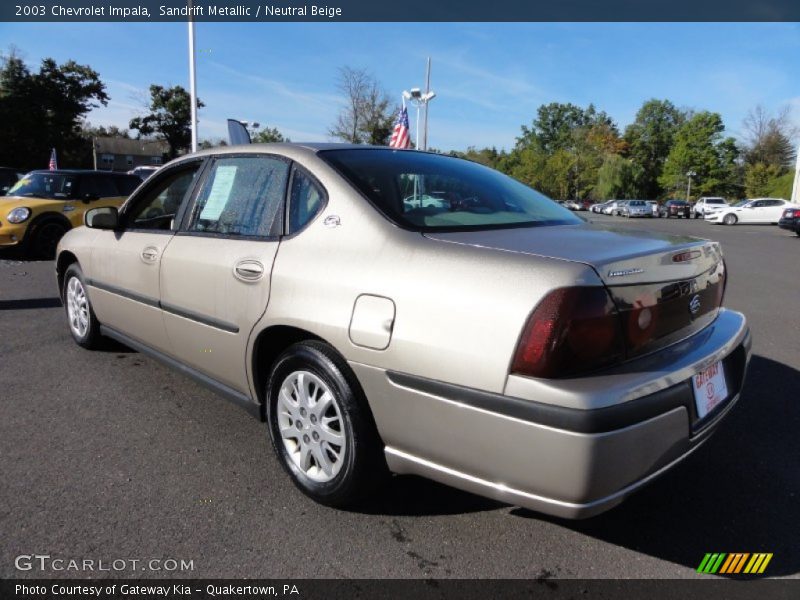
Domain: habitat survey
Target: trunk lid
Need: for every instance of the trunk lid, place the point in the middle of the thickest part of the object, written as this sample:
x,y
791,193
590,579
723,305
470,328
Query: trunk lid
x,y
665,287
620,256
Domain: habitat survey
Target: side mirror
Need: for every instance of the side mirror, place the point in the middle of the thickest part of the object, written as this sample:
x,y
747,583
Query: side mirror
x,y
106,217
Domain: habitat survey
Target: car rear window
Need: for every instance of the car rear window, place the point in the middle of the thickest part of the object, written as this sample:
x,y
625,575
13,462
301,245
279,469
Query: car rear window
x,y
431,192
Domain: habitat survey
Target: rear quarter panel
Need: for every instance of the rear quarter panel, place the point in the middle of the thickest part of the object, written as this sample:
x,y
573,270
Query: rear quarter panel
x,y
459,309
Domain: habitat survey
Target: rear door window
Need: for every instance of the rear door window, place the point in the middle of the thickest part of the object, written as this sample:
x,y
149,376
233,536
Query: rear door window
x,y
242,196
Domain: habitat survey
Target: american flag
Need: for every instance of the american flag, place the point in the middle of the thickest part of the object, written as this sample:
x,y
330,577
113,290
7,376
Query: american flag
x,y
400,135
53,163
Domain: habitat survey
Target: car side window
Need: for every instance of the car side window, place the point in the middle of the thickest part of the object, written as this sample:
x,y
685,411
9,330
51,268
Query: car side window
x,y
157,207
97,186
242,196
305,201
126,185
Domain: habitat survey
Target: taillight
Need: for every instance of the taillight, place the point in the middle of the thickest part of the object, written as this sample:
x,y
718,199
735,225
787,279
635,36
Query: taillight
x,y
572,330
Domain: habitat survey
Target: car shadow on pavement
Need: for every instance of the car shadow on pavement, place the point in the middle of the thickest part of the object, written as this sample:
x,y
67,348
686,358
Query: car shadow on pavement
x,y
30,303
17,256
738,493
409,495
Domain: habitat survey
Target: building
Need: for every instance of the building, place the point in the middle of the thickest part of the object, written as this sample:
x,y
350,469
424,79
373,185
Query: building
x,y
123,154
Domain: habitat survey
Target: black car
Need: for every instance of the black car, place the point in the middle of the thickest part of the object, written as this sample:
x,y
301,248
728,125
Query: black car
x,y
675,208
8,177
790,220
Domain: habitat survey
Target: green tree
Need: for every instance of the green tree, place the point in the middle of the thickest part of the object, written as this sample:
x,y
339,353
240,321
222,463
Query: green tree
x,y
649,139
367,115
269,135
768,138
485,156
170,117
758,178
618,178
699,147
45,110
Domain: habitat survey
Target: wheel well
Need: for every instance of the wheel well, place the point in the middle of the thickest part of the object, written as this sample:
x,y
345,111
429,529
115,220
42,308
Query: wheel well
x,y
43,218
65,259
269,345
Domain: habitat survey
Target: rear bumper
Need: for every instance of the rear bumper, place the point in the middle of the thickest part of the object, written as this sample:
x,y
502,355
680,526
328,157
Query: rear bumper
x,y
534,447
790,224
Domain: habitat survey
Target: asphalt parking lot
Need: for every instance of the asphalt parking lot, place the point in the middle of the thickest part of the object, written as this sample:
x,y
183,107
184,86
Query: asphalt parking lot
x,y
108,455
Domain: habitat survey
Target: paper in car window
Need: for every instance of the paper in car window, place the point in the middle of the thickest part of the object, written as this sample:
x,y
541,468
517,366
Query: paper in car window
x,y
220,192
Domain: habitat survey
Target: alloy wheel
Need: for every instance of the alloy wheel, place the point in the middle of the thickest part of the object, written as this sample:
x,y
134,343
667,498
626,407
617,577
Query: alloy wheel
x,y
311,426
77,307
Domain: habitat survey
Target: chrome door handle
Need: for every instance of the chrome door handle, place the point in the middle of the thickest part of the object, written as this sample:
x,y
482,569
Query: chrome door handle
x,y
249,270
150,254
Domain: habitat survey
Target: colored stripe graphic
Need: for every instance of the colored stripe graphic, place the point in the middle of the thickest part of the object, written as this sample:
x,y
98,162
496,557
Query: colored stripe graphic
x,y
734,563
758,563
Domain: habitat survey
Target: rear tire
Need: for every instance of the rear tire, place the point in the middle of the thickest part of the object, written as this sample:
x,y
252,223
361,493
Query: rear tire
x,y
83,325
730,220
320,426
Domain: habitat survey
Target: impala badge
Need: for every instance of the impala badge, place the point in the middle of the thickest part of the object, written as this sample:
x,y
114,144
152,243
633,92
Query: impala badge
x,y
694,304
625,272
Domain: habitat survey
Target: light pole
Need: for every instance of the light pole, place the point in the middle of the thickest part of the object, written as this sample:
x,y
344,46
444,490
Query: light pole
x,y
420,99
689,174
192,79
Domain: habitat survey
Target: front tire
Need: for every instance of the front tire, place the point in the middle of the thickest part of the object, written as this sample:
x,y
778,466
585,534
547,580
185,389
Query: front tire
x,y
83,325
45,237
730,220
320,426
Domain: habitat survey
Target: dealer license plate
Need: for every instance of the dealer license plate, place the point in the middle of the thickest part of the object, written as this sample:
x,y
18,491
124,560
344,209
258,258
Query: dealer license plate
x,y
710,389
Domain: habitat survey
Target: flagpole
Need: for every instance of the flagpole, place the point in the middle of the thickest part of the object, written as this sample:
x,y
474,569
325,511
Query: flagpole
x,y
192,79
796,184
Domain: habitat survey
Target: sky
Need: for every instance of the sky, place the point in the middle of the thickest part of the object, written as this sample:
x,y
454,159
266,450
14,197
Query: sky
x,y
489,78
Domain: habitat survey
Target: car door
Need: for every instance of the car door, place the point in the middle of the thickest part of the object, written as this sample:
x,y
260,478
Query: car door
x,y
125,263
215,274
773,210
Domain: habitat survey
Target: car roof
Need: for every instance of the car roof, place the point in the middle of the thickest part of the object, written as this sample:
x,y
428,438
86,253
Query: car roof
x,y
80,172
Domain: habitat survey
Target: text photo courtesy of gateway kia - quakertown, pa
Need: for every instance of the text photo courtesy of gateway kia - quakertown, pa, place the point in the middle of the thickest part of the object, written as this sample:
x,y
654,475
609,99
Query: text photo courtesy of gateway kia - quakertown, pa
x,y
399,300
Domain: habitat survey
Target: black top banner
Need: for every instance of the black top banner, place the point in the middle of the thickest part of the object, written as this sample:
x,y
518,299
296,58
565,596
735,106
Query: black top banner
x,y
405,11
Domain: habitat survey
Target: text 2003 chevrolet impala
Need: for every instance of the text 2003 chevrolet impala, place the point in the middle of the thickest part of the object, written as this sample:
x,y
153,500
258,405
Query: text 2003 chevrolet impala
x,y
380,306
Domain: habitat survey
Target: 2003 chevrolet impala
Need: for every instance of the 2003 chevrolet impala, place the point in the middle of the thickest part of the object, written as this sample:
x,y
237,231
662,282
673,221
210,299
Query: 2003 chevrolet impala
x,y
381,307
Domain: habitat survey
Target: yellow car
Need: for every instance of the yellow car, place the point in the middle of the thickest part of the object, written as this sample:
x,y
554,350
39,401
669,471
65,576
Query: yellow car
x,y
43,205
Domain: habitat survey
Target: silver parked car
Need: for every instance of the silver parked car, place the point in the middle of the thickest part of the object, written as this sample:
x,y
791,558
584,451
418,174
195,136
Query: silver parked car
x,y
637,208
490,340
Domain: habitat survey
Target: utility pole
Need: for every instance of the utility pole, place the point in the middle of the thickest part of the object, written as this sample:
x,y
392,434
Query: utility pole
x,y
192,79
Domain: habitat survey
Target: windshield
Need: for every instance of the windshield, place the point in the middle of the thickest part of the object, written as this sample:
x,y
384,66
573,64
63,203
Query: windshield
x,y
45,185
432,192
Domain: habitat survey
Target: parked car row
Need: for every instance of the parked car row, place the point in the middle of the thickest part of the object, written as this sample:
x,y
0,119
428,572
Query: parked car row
x,y
712,209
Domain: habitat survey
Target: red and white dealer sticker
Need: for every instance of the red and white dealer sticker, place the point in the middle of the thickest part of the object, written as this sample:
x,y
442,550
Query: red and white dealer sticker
x,y
710,389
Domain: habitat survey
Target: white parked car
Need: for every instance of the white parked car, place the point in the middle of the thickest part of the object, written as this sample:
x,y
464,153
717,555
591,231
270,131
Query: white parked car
x,y
653,206
708,205
614,207
757,210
